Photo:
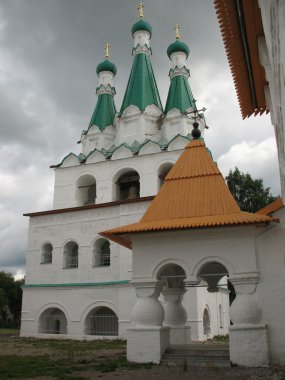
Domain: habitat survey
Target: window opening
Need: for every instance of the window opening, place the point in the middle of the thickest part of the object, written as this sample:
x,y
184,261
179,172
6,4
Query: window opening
x,y
102,253
129,186
46,257
71,255
102,322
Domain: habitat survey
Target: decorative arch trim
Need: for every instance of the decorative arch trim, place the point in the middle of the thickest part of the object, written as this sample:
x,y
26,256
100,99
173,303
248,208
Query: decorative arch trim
x,y
207,260
173,261
97,304
53,305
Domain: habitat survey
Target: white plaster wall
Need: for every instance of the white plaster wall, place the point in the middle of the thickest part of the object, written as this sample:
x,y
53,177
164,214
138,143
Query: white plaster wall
x,y
272,57
76,302
211,301
83,227
141,37
105,174
135,125
178,59
195,248
175,124
271,287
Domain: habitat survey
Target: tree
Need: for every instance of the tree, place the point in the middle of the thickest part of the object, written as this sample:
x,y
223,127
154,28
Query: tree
x,y
249,193
11,293
3,304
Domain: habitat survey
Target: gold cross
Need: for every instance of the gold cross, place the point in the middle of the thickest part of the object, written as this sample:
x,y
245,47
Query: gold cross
x,y
177,32
141,7
107,50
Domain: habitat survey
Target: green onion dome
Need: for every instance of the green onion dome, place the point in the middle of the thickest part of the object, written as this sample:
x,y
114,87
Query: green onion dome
x,y
178,46
106,66
141,25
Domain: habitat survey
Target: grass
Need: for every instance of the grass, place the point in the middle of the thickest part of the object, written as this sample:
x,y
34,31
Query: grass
x,y
62,359
75,346
9,331
18,367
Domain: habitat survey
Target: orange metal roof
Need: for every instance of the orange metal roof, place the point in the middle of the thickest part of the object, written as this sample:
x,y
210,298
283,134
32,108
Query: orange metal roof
x,y
194,195
241,26
272,207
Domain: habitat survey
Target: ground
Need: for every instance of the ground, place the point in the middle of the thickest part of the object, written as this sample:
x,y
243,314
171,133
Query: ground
x,y
38,359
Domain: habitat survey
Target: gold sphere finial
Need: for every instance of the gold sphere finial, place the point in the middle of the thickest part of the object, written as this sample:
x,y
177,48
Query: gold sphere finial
x,y
141,7
177,31
107,50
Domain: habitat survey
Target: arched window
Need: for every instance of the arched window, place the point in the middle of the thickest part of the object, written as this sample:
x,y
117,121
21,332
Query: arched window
x,y
162,173
128,186
70,255
206,322
101,253
102,321
46,256
86,190
53,321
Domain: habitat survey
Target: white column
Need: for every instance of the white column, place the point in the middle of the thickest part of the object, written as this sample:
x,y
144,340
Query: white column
x,y
147,339
248,336
176,316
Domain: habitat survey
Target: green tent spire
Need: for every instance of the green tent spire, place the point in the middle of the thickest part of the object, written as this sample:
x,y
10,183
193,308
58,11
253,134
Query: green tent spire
x,y
141,89
179,95
105,110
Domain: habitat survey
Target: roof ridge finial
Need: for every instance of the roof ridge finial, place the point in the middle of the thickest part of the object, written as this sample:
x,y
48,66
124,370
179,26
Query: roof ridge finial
x,y
107,50
141,7
177,31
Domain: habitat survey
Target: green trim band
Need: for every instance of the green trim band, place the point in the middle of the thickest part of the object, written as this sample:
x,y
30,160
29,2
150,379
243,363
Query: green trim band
x,y
122,282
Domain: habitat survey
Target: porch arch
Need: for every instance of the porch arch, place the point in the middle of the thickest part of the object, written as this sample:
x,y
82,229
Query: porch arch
x,y
201,263
157,269
101,321
172,276
52,320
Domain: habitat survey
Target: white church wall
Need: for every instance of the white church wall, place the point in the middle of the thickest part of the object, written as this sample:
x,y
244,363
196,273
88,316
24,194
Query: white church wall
x,y
196,300
272,57
76,302
271,287
105,175
135,125
82,227
175,123
196,247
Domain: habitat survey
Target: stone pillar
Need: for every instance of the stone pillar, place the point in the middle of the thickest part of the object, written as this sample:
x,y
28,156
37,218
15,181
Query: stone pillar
x,y
176,316
147,339
248,336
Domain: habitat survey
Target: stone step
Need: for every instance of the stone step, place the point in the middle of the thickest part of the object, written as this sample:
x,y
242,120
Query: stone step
x,y
197,355
195,363
200,347
205,353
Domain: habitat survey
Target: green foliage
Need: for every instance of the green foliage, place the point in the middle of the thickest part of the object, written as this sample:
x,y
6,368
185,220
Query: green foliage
x,y
10,331
75,346
11,293
3,303
249,193
62,360
220,338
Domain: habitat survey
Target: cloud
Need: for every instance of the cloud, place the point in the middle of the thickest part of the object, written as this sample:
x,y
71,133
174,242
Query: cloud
x,y
248,156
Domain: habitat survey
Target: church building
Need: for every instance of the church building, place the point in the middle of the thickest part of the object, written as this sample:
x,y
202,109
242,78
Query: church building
x,y
145,240
78,282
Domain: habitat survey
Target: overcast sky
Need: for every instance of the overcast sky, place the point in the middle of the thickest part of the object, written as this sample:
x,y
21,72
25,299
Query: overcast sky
x,y
49,50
